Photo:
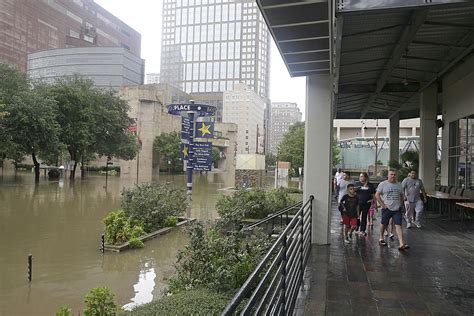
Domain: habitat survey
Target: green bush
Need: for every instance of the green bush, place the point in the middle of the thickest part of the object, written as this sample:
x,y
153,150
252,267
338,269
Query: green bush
x,y
136,243
192,302
217,261
100,302
256,203
24,166
152,204
110,172
170,221
120,229
102,168
64,311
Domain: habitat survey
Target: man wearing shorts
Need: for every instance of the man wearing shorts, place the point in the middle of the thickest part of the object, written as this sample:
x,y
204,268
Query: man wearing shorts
x,y
415,195
390,197
350,209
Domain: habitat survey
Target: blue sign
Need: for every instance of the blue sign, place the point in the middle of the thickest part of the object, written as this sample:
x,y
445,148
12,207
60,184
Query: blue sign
x,y
202,157
201,109
204,129
183,151
185,127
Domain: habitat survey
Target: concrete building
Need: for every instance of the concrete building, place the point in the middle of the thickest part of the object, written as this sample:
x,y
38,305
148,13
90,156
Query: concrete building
x,y
153,78
31,26
208,47
107,67
245,108
283,115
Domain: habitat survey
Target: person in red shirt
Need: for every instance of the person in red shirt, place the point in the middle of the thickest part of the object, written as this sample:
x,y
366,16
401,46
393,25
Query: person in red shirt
x,y
350,212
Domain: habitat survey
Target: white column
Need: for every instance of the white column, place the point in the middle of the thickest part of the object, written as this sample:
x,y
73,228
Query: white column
x,y
428,136
317,155
394,151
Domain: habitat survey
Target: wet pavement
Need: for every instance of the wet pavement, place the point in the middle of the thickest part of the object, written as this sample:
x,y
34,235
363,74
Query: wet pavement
x,y
434,277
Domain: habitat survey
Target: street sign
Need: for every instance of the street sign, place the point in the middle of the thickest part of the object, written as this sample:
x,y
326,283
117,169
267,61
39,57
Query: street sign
x,y
185,127
204,129
202,159
201,109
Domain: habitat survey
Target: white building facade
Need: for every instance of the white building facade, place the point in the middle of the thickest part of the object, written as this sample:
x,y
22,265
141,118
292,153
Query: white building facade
x,y
282,116
245,108
153,78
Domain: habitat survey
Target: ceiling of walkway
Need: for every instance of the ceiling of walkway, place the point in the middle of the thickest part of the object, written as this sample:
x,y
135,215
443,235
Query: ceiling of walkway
x,y
384,52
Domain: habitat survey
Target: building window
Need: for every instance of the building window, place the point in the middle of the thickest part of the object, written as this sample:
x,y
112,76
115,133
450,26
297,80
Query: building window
x,y
461,153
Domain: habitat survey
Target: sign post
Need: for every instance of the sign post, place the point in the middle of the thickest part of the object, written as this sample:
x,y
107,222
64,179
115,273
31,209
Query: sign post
x,y
197,154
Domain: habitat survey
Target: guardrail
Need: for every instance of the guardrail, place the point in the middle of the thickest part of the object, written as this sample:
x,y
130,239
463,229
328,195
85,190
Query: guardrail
x,y
284,213
273,286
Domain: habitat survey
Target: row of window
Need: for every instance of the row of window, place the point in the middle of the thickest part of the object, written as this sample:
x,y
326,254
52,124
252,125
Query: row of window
x,y
208,14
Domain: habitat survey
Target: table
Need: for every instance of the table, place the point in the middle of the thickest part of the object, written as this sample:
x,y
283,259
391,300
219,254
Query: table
x,y
465,207
450,199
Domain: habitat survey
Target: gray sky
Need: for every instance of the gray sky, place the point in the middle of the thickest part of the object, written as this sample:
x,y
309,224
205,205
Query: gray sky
x,y
145,17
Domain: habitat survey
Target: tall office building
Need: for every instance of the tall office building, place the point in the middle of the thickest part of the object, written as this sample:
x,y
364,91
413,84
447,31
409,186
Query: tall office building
x,y
28,26
153,78
209,46
283,115
245,108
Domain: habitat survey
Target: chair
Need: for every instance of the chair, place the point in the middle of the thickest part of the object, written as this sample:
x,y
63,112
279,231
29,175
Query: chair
x,y
438,187
449,189
443,188
459,191
468,193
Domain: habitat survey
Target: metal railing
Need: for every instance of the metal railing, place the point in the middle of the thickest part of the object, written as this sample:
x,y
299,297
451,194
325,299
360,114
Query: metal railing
x,y
282,214
273,286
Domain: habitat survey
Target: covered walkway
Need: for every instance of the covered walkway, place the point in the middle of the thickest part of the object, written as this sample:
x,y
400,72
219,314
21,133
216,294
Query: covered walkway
x,y
434,277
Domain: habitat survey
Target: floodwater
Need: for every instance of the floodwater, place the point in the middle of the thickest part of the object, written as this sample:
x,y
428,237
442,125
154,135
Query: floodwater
x,y
60,224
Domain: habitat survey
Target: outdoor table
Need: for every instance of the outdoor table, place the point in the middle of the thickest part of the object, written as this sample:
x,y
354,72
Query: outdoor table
x,y
465,207
449,199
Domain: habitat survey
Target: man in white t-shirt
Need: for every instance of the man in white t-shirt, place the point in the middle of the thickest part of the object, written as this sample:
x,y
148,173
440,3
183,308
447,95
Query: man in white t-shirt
x,y
337,177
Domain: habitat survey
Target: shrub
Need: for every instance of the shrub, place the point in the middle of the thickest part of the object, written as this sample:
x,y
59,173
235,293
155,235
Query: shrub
x,y
102,168
192,302
136,243
217,261
170,221
64,311
152,204
120,229
100,302
256,203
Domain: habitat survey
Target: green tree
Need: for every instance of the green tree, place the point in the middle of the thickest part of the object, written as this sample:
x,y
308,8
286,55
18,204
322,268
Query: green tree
x,y
12,83
100,302
31,125
336,153
270,160
216,155
166,145
92,121
292,146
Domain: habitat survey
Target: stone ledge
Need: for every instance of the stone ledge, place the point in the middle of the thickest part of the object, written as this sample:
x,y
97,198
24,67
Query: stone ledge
x,y
118,248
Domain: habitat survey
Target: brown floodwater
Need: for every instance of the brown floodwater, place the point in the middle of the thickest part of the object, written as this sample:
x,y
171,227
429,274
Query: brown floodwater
x,y
60,224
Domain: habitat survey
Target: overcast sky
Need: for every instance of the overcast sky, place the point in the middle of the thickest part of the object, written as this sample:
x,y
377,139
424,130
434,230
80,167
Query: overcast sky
x,y
145,17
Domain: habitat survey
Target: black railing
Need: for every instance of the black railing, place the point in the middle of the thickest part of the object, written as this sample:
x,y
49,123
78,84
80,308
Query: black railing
x,y
273,286
283,217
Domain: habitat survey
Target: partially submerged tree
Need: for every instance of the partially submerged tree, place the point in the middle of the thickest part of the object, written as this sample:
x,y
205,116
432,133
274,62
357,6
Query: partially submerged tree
x,y
166,145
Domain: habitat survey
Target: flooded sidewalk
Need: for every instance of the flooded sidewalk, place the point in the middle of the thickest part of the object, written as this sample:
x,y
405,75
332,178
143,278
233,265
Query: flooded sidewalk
x,y
434,277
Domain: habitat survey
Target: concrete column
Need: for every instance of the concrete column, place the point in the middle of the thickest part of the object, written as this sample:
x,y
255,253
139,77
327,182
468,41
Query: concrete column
x,y
428,136
394,150
317,154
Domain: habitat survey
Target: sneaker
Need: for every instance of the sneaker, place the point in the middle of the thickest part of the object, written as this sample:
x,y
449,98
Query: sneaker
x,y
386,233
347,241
409,225
417,224
392,236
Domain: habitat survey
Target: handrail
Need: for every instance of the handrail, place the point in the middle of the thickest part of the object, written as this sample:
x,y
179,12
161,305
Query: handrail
x,y
279,274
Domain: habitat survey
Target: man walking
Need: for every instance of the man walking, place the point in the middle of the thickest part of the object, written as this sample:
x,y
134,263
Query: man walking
x,y
415,196
342,188
390,196
337,177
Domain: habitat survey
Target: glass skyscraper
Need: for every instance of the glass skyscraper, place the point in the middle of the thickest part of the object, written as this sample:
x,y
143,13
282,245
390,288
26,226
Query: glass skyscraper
x,y
208,46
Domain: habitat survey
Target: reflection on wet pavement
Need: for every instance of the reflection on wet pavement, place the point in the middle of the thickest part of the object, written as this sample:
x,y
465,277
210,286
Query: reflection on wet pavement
x,y
434,277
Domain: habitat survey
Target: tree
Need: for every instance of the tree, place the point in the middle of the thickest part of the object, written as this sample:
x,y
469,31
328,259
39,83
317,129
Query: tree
x,y
166,145
12,83
31,126
292,146
92,121
270,160
336,153
216,155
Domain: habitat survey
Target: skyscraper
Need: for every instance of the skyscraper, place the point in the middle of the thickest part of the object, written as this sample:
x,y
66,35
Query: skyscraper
x,y
32,26
209,46
283,115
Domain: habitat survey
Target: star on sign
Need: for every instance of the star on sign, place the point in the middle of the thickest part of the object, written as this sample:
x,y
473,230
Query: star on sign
x,y
205,129
185,151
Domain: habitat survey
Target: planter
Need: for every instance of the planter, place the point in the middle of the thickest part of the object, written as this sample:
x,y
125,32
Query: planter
x,y
181,221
